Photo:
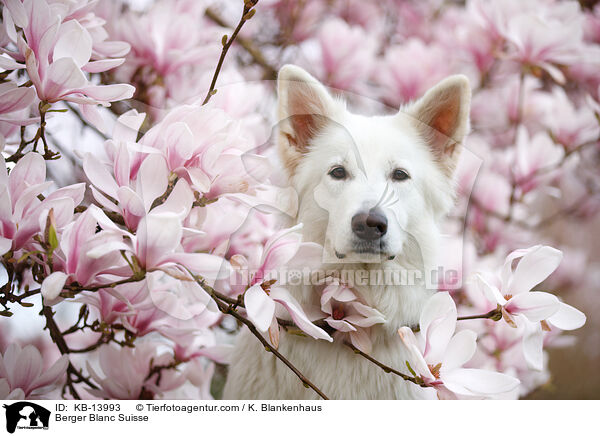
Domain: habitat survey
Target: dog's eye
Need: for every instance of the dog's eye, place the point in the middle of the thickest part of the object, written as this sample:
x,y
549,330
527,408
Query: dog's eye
x,y
338,173
400,175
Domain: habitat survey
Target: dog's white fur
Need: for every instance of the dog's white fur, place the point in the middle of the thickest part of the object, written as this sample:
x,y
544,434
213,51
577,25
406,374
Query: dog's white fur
x,y
316,133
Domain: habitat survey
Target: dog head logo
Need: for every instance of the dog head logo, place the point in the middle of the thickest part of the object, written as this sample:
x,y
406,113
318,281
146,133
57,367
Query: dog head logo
x,y
26,415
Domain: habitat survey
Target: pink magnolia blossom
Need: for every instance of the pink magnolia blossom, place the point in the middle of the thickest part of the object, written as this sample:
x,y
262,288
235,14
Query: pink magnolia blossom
x,y
571,126
262,297
23,214
407,70
12,101
437,355
526,309
347,54
72,262
128,304
7,394
22,370
134,195
168,36
135,307
348,315
205,147
547,36
57,49
128,380
297,21
532,155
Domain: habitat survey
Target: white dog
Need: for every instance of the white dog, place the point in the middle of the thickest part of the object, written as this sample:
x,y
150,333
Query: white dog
x,y
373,191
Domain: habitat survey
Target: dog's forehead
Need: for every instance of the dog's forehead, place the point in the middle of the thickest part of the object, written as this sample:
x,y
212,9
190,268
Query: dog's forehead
x,y
374,139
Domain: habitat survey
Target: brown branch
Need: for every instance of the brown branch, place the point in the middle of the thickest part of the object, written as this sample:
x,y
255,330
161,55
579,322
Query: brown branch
x,y
495,315
247,44
287,324
75,288
247,13
386,368
58,339
228,310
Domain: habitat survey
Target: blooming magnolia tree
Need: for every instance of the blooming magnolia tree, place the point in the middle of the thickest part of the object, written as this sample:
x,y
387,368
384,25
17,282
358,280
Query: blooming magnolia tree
x,y
137,188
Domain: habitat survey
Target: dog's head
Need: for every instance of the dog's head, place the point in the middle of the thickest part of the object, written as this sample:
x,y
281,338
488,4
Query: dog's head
x,y
371,187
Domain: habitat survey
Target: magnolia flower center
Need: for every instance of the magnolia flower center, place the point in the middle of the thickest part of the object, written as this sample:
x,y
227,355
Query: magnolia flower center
x,y
266,286
337,313
435,370
508,297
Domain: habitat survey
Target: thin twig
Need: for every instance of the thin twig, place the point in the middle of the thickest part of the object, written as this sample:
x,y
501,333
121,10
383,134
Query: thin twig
x,y
286,324
58,339
247,44
386,368
495,315
247,13
228,310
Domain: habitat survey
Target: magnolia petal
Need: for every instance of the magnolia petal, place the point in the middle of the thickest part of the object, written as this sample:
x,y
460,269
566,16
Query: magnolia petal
x,y
274,334
158,234
16,99
99,176
533,268
507,271
340,325
62,77
566,318
279,253
104,201
53,284
260,307
74,192
477,382
112,49
438,323
130,201
102,65
17,12
152,179
181,140
368,312
127,126
108,93
209,266
533,346
283,297
5,245
7,63
97,251
52,375
460,349
91,114
361,340
535,306
179,201
26,367
30,170
338,292
490,292
415,357
74,42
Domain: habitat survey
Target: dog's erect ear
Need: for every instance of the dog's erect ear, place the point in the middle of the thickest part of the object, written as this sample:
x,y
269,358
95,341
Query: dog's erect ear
x,y
305,107
442,118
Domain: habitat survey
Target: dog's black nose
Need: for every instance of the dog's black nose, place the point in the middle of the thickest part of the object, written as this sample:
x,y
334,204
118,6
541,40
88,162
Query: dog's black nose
x,y
369,226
